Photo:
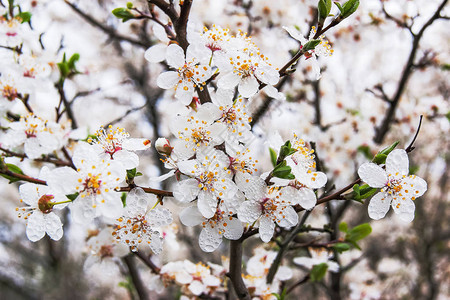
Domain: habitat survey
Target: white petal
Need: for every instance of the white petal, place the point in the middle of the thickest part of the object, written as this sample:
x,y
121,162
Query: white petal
x,y
207,204
290,218
333,266
33,149
379,206
228,81
196,287
266,229
248,86
397,162
249,211
191,216
296,34
135,144
156,242
185,92
373,175
188,167
175,56
253,187
29,194
160,33
209,239
186,190
414,186
66,186
36,226
303,261
167,80
53,226
404,209
267,74
129,160
306,198
233,230
159,217
156,54
82,211
112,207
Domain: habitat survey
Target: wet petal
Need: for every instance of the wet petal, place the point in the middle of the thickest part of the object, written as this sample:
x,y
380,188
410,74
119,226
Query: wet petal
x,y
373,175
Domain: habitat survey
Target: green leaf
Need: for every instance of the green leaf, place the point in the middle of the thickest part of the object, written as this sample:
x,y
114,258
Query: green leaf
x,y
310,45
343,227
364,149
277,296
14,169
139,174
448,116
273,156
339,6
389,149
380,158
63,69
73,59
123,13
129,5
324,8
72,197
131,174
123,197
318,272
341,247
365,191
356,191
413,169
349,8
25,16
358,233
283,172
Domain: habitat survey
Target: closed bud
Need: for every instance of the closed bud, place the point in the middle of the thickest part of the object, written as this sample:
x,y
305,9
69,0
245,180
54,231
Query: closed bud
x,y
162,145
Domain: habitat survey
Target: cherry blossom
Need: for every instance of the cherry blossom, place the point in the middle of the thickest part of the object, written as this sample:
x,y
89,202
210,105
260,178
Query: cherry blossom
x,y
138,225
39,213
191,72
210,180
95,181
268,205
115,144
398,189
318,256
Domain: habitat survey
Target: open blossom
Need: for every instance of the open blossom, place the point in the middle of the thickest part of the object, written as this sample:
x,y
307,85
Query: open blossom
x,y
268,205
245,70
210,180
222,224
138,225
95,181
38,136
397,188
196,279
322,49
190,72
39,213
318,256
116,144
197,131
103,249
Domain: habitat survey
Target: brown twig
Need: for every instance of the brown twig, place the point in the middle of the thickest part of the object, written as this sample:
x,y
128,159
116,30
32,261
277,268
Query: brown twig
x,y
235,273
147,190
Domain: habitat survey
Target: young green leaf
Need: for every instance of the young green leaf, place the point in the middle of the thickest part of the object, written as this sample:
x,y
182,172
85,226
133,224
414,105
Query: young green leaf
x,y
24,16
273,156
123,13
72,197
343,227
318,272
341,247
310,45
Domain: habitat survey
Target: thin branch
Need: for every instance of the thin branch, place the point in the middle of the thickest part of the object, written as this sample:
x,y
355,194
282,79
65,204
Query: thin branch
x,y
407,71
147,190
135,277
297,284
411,145
111,32
147,261
56,162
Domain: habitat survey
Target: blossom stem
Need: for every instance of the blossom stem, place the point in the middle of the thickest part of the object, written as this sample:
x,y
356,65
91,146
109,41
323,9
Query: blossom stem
x,y
61,202
157,192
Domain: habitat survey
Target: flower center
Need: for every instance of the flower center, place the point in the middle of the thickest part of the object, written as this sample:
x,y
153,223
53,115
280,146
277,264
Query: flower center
x,y
44,204
9,92
92,184
106,251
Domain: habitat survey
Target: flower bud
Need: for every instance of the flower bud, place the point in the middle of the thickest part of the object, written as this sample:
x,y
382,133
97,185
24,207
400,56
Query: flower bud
x,y
162,145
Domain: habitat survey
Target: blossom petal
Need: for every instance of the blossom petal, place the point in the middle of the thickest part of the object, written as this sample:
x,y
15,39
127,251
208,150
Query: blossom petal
x,y
156,53
379,206
373,175
207,204
248,86
397,162
159,217
136,144
167,80
404,209
129,160
249,211
289,218
29,194
191,216
36,227
233,229
306,198
414,186
267,74
185,92
266,229
186,190
53,226
209,239
228,81
296,34
175,56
